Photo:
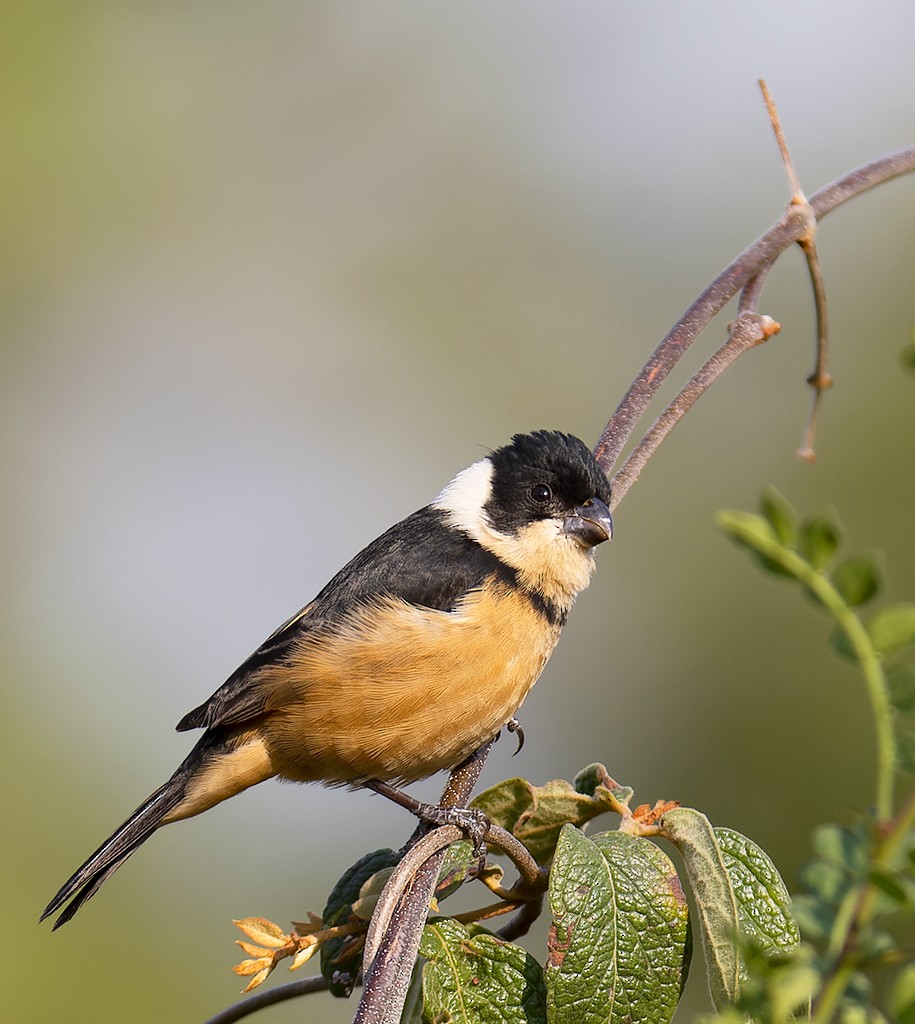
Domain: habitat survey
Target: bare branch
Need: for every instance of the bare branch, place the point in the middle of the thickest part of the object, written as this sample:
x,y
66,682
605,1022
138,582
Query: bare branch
x,y
395,887
268,997
776,123
388,978
746,332
797,223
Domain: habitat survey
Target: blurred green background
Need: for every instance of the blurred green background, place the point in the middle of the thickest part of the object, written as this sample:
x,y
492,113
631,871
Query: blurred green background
x,y
272,273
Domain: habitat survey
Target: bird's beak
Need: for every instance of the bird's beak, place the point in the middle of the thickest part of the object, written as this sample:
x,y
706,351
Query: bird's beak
x,y
589,524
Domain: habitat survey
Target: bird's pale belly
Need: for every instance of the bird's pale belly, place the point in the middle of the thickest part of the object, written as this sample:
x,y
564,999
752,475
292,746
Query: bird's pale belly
x,y
405,692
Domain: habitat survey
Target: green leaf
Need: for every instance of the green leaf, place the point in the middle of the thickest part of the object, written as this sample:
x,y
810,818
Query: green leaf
x,y
456,864
902,996
846,848
901,681
583,942
857,579
828,882
595,781
892,629
758,535
891,885
716,902
819,539
472,977
763,903
654,921
815,918
780,515
535,814
905,752
341,975
907,355
738,891
618,940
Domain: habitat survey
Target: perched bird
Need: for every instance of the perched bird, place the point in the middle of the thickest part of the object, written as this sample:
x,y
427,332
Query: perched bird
x,y
415,654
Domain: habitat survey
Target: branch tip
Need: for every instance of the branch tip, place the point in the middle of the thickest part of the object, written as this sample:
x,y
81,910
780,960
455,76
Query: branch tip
x,y
774,120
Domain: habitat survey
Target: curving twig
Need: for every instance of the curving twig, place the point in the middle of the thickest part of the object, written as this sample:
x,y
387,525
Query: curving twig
x,y
268,997
387,979
794,225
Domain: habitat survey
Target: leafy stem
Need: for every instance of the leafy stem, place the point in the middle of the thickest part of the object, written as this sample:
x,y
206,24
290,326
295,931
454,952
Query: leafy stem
x,y
761,536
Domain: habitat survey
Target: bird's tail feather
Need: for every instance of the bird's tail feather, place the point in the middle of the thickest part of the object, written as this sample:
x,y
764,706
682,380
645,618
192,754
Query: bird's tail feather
x,y
85,882
222,763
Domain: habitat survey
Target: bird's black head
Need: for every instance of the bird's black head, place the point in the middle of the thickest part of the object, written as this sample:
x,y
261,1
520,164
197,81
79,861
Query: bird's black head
x,y
540,504
546,475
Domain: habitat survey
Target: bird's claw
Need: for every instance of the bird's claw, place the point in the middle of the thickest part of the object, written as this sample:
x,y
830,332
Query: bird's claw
x,y
513,725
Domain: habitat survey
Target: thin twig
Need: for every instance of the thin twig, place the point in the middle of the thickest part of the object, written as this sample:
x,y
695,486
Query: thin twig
x,y
776,123
521,923
388,978
820,379
268,997
746,332
793,225
520,856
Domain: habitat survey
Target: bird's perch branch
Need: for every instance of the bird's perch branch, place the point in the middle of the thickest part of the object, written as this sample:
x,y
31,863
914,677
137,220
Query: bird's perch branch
x,y
387,978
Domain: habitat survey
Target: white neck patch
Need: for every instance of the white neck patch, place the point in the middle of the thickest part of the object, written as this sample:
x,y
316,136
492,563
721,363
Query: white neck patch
x,y
463,500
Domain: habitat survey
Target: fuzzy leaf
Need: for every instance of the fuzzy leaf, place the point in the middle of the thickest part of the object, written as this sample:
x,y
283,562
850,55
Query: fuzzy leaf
x,y
617,947
819,539
248,967
535,814
655,921
472,977
763,903
303,956
263,932
253,950
780,515
857,579
893,629
902,996
258,979
716,903
341,975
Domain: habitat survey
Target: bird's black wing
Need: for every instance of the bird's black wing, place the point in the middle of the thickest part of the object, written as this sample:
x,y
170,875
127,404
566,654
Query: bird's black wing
x,y
421,561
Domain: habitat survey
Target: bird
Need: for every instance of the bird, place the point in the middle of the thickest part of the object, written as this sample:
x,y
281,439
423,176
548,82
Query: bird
x,y
421,648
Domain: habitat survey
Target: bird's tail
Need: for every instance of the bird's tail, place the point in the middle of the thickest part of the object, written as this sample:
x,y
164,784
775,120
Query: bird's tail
x,y
218,767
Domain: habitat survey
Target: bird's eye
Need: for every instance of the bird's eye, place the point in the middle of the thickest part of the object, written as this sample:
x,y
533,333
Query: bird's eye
x,y
541,493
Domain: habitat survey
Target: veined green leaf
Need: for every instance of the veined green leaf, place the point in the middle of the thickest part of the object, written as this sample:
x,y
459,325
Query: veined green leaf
x,y
535,814
737,889
619,934
473,977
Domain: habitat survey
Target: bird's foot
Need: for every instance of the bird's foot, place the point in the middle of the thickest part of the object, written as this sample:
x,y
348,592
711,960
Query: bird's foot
x,y
473,823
